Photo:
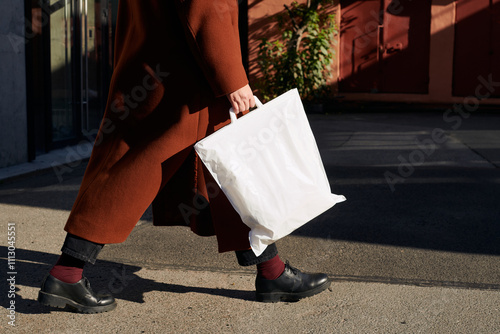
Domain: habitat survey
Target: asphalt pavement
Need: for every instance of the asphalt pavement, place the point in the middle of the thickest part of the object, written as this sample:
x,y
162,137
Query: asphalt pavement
x,y
414,249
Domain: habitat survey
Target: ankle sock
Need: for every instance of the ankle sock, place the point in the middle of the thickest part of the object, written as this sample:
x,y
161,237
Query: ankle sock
x,y
271,269
68,269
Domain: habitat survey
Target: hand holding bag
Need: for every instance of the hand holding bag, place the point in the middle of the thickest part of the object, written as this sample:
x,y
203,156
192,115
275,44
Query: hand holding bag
x,y
268,165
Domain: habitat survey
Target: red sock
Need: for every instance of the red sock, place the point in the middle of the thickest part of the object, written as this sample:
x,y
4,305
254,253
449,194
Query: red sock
x,y
271,269
68,269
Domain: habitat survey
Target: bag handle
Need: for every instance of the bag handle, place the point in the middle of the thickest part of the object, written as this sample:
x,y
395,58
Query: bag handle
x,y
232,114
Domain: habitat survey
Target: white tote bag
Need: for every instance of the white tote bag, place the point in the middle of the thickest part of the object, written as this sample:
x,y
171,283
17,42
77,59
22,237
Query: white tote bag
x,y
268,165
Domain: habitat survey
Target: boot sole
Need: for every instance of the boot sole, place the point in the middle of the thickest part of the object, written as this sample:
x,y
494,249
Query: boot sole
x,y
48,299
274,297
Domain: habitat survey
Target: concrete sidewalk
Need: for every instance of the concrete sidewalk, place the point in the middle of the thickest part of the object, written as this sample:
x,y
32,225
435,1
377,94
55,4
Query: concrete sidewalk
x,y
414,249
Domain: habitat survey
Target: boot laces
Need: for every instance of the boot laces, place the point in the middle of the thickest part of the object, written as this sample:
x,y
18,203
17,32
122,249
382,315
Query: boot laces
x,y
294,270
87,284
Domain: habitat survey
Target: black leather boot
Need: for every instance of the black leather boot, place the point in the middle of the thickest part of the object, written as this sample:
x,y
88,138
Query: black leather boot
x,y
78,296
291,286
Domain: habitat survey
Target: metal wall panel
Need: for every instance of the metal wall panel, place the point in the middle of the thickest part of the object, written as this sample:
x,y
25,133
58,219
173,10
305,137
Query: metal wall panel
x,y
477,45
359,53
406,46
385,46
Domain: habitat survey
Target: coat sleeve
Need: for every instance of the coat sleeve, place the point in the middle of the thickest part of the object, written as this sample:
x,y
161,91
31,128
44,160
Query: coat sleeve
x,y
211,28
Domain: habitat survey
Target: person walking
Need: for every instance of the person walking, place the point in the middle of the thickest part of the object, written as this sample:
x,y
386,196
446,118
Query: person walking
x,y
178,69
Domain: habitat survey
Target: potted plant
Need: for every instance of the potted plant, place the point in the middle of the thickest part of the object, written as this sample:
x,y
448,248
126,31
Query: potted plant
x,y
302,57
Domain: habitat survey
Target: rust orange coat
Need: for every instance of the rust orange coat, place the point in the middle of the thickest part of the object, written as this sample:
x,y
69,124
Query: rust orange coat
x,y
174,63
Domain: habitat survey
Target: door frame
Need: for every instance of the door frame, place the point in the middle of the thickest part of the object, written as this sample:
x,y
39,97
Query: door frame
x,y
376,32
38,73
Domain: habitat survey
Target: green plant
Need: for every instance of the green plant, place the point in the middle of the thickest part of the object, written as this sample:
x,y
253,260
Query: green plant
x,y
303,56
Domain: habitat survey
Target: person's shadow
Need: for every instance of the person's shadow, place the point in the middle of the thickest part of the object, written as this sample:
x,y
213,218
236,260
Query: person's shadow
x,y
106,277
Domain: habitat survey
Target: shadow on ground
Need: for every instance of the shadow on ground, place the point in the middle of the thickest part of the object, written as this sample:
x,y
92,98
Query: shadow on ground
x,y
439,208
118,279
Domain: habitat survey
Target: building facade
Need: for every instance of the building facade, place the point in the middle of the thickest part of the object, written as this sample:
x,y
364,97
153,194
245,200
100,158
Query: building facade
x,y
56,60
13,104
56,64
425,51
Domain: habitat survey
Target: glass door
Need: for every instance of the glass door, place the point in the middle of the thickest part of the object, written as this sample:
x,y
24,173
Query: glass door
x,y
94,60
79,67
61,70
